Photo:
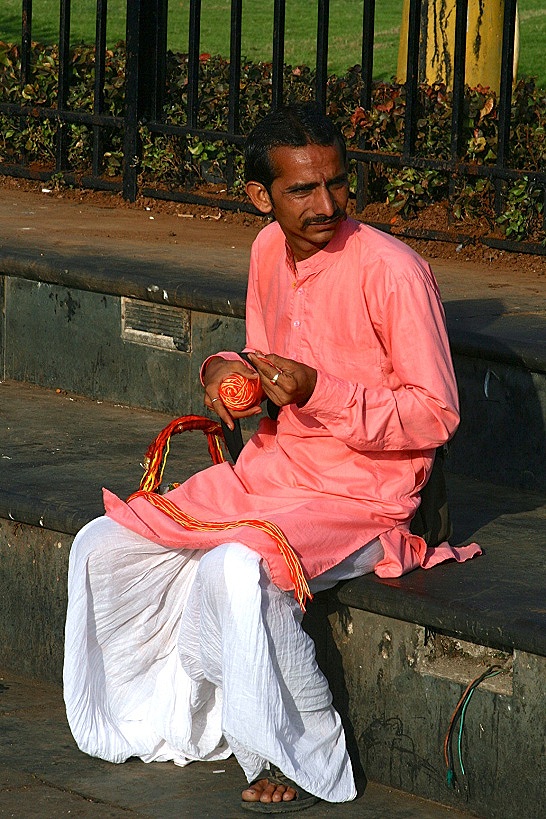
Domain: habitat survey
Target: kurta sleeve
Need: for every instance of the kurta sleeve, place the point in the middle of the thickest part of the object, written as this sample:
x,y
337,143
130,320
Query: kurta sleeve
x,y
225,354
415,405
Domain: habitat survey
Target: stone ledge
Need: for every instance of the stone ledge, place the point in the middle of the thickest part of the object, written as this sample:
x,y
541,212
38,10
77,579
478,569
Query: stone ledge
x,y
195,283
209,282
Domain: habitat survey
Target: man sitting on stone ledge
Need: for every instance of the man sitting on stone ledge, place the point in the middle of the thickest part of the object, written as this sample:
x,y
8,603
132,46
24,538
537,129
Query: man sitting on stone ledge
x,y
187,644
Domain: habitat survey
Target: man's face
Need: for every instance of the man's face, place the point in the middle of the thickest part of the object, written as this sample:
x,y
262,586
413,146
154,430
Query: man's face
x,y
308,196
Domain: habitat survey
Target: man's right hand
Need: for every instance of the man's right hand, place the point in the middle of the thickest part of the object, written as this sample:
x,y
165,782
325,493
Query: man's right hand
x,y
217,369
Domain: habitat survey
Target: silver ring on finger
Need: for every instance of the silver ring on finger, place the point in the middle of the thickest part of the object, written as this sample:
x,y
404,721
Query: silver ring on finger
x,y
275,378
214,399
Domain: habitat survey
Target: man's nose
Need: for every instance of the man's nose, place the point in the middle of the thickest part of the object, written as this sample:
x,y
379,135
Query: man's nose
x,y
324,202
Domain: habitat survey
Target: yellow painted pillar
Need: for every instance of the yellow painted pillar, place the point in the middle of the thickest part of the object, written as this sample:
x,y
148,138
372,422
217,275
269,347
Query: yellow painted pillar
x,y
483,44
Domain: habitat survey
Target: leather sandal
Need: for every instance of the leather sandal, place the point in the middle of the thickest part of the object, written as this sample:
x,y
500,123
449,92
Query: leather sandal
x,y
301,801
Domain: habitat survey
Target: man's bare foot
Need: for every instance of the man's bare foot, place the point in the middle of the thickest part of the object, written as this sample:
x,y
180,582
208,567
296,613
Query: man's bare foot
x,y
265,791
273,792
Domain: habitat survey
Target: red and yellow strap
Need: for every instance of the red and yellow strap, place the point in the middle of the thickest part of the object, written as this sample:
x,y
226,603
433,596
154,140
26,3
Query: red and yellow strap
x,y
156,454
155,459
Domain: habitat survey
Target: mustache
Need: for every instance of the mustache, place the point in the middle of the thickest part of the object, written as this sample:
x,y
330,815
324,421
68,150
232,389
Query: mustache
x,y
324,220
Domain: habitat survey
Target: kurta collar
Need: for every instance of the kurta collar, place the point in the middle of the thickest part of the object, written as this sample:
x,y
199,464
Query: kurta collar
x,y
326,257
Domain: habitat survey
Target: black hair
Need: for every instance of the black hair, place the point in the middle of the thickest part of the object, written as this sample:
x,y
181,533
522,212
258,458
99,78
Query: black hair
x,y
292,126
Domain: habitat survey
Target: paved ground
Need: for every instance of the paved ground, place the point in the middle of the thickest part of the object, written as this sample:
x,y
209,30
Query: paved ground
x,y
31,220
43,774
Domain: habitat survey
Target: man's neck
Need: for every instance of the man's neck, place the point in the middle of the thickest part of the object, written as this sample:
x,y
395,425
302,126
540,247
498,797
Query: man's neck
x,y
303,251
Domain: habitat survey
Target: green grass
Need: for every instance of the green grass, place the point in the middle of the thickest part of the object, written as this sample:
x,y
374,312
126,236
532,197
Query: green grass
x,y
301,23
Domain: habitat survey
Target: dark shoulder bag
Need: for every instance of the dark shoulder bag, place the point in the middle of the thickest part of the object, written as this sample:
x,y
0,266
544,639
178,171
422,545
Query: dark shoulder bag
x,y
432,520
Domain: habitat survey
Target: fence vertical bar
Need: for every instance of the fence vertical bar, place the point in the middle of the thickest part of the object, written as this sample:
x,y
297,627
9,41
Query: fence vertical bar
x,y
459,73
61,146
193,62
159,58
412,78
235,65
26,42
144,79
368,33
277,78
98,95
131,141
323,23
234,83
505,93
459,69
152,53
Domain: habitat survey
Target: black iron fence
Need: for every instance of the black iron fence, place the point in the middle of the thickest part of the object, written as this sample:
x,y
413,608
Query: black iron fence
x,y
149,72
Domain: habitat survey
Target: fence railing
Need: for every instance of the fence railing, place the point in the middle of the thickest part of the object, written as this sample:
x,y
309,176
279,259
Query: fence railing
x,y
146,68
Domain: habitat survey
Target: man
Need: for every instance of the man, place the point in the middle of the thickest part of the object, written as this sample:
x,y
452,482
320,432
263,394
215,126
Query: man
x,y
176,650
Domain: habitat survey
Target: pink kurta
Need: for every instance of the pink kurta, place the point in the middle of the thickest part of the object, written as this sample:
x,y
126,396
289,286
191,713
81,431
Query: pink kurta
x,y
347,467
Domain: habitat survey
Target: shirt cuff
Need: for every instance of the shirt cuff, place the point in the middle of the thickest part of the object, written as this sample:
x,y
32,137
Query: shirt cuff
x,y
225,354
330,398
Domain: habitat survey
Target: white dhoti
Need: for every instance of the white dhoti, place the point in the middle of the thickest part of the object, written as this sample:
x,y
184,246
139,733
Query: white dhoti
x,y
191,655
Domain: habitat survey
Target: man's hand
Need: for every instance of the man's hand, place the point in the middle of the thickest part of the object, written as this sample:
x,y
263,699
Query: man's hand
x,y
217,369
283,380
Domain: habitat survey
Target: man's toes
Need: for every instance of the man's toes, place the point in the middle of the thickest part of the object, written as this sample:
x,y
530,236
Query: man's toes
x,y
289,794
254,793
266,791
277,794
269,793
281,793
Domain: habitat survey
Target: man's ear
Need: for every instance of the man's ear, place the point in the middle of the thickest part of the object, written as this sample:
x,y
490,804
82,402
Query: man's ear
x,y
258,195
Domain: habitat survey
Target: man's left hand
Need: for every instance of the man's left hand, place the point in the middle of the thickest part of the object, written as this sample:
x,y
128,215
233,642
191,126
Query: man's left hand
x,y
283,380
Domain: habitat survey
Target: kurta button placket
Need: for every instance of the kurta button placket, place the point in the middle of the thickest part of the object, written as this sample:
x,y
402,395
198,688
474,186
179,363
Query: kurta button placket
x,y
296,336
